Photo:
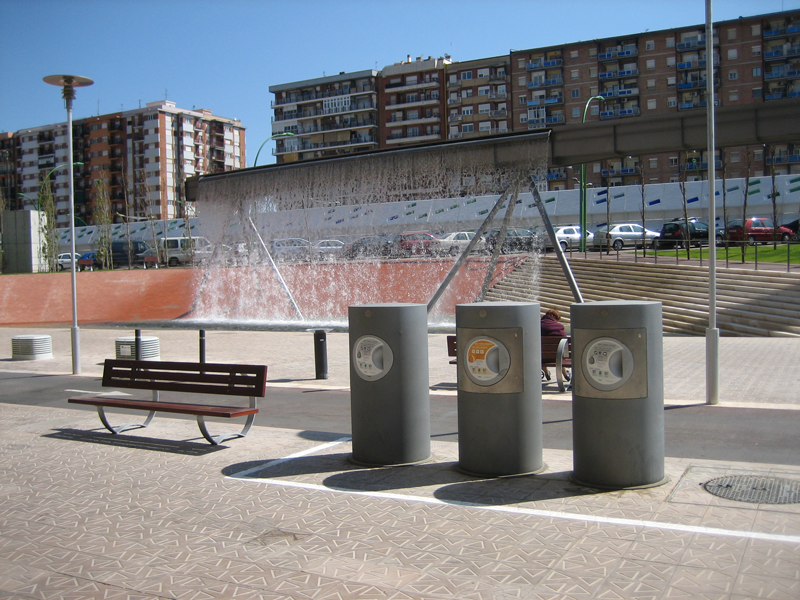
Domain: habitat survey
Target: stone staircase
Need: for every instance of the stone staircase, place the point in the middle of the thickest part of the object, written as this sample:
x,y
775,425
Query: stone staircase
x,y
749,303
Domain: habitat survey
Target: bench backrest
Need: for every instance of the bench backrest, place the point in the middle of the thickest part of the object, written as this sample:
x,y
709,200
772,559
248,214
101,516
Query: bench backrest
x,y
197,378
452,349
550,347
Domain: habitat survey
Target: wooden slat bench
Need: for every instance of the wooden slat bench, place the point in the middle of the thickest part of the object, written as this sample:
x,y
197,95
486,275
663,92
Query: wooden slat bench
x,y
452,350
192,378
557,353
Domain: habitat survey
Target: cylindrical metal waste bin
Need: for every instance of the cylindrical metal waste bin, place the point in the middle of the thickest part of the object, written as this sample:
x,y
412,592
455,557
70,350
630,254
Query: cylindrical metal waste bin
x,y
389,384
499,388
125,348
618,394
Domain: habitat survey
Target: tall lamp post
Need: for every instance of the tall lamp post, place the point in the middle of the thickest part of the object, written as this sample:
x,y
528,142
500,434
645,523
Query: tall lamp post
x,y
583,182
68,83
272,137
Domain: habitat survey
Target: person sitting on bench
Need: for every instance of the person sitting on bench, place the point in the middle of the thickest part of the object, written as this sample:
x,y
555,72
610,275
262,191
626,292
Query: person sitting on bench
x,y
551,325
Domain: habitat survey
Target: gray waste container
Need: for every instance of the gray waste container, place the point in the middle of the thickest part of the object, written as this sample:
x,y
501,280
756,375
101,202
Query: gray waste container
x,y
618,394
499,388
389,384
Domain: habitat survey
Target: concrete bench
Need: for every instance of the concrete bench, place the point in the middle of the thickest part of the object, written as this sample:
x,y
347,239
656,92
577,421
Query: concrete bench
x,y
192,378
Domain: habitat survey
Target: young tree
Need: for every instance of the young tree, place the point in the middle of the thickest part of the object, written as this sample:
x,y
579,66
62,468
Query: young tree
x,y
723,158
103,218
748,164
769,150
47,226
682,183
643,207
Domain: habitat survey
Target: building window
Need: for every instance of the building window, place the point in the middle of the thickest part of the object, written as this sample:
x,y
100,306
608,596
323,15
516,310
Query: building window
x,y
672,102
483,73
467,93
523,118
485,126
650,45
670,61
653,163
651,104
594,110
755,29
650,64
467,128
734,156
756,92
733,74
733,95
575,74
575,93
756,71
592,72
731,34
467,110
595,167
483,90
523,100
670,82
651,84
576,113
573,54
670,42
758,155
733,54
484,109
756,50
592,52
673,161
520,63
522,82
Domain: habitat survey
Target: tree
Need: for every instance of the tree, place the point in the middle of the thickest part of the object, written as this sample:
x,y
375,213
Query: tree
x,y
47,226
103,218
644,205
682,183
748,163
723,158
769,150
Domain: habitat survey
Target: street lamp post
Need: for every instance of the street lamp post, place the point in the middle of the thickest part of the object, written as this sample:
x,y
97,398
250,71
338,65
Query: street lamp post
x,y
68,83
583,182
272,137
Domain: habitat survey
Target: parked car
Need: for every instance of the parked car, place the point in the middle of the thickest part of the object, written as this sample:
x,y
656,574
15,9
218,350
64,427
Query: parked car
x,y
64,262
291,249
455,243
757,229
124,253
96,264
327,249
569,237
621,235
516,240
795,227
185,250
418,242
674,233
369,246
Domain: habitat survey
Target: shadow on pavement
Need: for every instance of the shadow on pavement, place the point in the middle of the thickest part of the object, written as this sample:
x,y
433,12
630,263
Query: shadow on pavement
x,y
185,447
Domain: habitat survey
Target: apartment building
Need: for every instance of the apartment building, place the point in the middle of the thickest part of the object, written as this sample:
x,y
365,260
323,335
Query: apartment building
x,y
138,159
756,59
327,116
478,98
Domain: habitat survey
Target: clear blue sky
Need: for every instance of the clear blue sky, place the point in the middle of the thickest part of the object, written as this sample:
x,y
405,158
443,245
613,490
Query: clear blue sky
x,y
224,55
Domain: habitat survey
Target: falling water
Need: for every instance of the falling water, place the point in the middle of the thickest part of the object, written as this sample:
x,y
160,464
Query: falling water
x,y
244,211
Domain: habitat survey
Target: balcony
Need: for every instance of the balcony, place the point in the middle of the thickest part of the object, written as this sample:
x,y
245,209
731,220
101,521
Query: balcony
x,y
312,96
695,84
695,43
453,118
556,174
780,53
553,120
413,138
546,101
617,53
541,63
421,101
498,114
409,121
306,145
618,113
347,124
546,82
692,105
413,86
783,159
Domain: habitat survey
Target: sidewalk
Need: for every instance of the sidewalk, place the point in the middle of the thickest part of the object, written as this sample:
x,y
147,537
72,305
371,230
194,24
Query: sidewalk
x,y
282,514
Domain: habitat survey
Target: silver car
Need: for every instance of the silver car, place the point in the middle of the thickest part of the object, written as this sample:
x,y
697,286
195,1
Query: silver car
x,y
569,237
621,235
455,243
64,262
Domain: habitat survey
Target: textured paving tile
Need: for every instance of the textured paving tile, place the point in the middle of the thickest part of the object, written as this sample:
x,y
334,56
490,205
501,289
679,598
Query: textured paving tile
x,y
82,519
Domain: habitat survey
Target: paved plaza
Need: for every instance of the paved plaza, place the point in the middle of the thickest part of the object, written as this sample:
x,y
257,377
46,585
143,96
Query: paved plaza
x,y
283,514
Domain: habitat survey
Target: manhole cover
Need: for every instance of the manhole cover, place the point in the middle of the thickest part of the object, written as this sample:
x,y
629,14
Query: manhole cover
x,y
755,489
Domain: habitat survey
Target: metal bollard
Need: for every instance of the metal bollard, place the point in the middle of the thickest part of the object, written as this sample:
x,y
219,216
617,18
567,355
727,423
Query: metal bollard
x,y
202,345
138,344
320,354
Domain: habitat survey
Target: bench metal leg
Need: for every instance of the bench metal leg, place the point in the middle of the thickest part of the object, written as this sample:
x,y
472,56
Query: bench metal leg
x,y
120,428
562,350
216,440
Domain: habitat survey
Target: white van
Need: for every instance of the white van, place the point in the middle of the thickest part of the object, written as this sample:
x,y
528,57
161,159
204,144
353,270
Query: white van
x,y
184,250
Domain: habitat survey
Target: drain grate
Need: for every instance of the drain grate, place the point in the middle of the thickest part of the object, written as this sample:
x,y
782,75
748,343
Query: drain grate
x,y
755,489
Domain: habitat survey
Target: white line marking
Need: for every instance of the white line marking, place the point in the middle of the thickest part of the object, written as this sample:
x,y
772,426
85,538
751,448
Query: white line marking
x,y
277,461
545,514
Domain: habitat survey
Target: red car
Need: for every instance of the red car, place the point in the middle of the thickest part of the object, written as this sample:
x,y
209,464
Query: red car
x,y
757,230
420,242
